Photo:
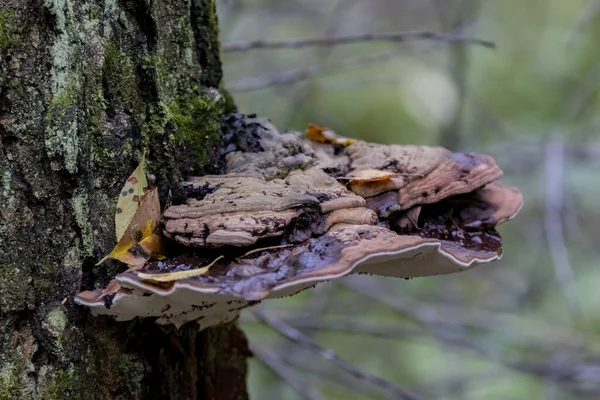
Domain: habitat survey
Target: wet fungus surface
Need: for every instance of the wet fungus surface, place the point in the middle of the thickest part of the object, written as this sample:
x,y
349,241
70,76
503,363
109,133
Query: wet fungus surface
x,y
289,213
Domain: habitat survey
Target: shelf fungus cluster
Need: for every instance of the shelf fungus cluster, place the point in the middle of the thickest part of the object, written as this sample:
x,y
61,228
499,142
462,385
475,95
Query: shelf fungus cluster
x,y
291,212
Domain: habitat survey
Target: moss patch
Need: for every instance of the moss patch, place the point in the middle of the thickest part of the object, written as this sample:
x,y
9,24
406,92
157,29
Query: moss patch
x,y
119,71
81,206
67,384
61,129
57,321
131,373
196,118
9,36
11,380
14,288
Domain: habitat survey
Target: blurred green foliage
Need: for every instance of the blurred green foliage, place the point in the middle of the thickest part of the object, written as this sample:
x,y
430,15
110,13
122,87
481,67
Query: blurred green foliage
x,y
538,88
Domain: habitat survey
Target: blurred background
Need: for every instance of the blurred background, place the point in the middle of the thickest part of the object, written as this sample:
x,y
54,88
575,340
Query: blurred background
x,y
527,327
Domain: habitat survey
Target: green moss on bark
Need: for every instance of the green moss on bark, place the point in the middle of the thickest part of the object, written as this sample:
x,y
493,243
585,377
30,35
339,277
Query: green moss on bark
x,y
61,130
119,71
9,35
196,116
11,379
14,287
131,373
68,384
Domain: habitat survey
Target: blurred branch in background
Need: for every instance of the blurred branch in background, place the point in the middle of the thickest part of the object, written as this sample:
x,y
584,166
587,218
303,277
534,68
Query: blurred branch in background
x,y
431,314
273,360
295,75
299,74
526,327
590,12
395,37
555,188
301,339
451,135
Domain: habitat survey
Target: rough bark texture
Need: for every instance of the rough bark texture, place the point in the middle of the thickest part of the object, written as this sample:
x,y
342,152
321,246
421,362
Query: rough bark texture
x,y
85,87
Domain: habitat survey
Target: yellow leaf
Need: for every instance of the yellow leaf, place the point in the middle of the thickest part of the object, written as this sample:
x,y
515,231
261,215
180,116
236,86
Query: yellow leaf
x,y
129,198
321,134
175,276
369,175
142,240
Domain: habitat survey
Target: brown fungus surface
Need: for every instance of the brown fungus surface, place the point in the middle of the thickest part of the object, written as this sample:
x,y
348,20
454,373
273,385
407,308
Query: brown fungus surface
x,y
281,220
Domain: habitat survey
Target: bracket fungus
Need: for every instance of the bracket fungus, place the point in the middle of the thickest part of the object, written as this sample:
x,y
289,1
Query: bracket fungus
x,y
289,213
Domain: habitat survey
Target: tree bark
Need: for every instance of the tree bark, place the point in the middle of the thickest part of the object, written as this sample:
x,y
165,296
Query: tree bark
x,y
85,88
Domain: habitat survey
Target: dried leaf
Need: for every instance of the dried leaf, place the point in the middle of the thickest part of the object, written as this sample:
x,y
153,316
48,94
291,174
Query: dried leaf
x,y
142,240
175,276
369,175
129,198
112,288
321,134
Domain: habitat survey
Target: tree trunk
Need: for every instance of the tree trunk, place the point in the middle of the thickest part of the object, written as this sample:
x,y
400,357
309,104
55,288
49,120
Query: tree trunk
x,y
85,88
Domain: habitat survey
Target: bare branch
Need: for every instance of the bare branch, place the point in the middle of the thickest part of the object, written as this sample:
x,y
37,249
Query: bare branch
x,y
299,74
565,372
271,360
553,224
298,337
508,324
355,326
396,37
585,18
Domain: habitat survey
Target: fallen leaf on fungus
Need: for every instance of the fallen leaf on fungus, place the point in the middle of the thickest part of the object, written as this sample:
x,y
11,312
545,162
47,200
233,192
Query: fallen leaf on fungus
x,y
321,134
129,198
142,239
368,175
112,288
175,276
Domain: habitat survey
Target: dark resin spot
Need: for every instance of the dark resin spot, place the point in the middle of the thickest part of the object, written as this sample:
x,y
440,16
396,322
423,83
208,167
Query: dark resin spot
x,y
137,236
131,190
123,193
424,194
119,211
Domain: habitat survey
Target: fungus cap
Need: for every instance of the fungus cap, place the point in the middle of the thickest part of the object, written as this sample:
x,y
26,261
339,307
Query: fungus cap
x,y
280,221
219,295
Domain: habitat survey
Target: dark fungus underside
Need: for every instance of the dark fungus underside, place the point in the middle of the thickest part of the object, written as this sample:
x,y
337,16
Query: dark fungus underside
x,y
459,220
259,271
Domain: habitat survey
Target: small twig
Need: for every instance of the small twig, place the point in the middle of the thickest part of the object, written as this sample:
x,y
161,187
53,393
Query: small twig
x,y
271,360
444,314
299,74
354,326
553,224
396,37
456,338
586,16
298,337
281,246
